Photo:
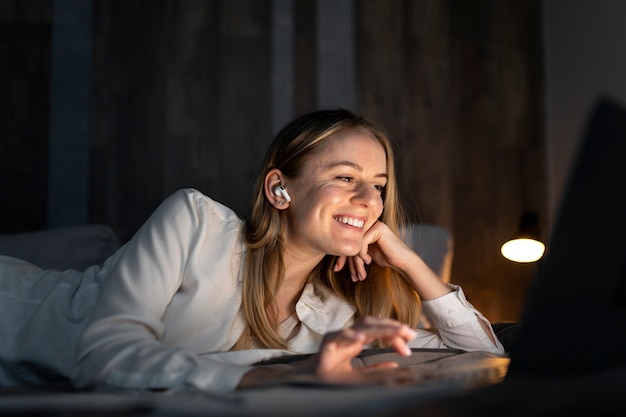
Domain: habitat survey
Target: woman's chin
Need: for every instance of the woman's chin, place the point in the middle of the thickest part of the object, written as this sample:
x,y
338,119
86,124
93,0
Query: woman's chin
x,y
349,252
347,248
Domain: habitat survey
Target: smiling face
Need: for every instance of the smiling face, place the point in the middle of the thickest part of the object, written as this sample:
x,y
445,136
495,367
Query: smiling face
x,y
338,196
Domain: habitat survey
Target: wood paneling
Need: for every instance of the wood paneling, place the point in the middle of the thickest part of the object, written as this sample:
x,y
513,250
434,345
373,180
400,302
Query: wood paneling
x,y
181,99
25,39
181,96
459,86
306,60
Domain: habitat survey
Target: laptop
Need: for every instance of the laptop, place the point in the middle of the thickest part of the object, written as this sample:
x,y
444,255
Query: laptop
x,y
574,320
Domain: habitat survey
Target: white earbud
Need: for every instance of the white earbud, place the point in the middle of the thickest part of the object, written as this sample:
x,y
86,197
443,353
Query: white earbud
x,y
280,191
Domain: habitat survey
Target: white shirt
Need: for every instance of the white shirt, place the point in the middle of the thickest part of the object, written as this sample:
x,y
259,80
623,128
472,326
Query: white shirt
x,y
163,311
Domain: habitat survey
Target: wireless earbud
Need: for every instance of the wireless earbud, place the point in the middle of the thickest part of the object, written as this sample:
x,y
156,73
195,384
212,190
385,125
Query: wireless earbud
x,y
280,191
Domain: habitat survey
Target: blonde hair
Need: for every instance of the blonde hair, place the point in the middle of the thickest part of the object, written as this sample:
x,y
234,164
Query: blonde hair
x,y
383,294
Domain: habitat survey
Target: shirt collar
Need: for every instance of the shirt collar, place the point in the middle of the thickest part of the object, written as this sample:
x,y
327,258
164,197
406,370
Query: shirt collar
x,y
321,310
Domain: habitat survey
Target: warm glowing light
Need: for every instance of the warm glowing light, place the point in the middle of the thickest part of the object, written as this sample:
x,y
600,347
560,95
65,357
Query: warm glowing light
x,y
523,250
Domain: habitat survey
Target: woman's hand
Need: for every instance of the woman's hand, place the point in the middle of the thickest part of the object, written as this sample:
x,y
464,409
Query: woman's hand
x,y
380,245
383,247
333,362
338,348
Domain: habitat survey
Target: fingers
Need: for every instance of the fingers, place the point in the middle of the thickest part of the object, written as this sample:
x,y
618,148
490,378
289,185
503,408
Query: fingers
x,y
364,255
399,345
334,360
379,245
395,334
340,263
338,349
357,265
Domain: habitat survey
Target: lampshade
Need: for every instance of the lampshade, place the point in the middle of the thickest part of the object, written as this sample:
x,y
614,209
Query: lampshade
x,y
525,246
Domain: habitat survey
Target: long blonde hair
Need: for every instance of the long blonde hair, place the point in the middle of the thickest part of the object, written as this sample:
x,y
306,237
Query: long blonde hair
x,y
384,294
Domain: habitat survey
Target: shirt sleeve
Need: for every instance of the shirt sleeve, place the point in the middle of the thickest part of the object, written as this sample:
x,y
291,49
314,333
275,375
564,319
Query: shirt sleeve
x,y
458,325
121,347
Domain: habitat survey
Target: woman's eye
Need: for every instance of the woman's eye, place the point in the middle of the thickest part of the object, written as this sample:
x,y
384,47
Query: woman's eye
x,y
379,188
345,179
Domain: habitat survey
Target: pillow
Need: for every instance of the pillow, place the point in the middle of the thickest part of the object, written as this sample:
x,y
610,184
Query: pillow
x,y
77,247
434,244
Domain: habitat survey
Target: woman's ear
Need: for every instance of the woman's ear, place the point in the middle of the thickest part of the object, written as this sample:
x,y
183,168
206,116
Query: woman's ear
x,y
276,198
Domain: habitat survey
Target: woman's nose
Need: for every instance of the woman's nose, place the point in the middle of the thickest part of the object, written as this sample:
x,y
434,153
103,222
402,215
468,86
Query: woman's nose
x,y
367,195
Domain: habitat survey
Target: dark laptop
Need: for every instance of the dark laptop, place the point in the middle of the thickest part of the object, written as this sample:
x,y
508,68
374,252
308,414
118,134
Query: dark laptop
x,y
574,322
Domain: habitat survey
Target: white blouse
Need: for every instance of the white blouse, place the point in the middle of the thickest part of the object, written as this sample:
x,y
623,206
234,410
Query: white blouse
x,y
163,311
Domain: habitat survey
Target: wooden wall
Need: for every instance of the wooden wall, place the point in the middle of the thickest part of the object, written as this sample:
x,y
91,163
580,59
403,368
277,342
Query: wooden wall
x,y
181,99
181,95
25,52
460,86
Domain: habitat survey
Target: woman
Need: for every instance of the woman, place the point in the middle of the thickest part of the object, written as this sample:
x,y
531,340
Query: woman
x,y
197,295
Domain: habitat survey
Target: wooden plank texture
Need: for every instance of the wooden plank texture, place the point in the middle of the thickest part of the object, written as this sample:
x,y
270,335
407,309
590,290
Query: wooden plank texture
x,y
459,86
181,96
25,38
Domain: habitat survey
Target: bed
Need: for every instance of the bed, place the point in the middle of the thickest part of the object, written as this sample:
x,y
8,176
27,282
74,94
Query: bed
x,y
429,374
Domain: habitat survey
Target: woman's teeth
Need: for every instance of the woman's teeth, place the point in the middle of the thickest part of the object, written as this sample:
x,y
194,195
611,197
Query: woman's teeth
x,y
351,221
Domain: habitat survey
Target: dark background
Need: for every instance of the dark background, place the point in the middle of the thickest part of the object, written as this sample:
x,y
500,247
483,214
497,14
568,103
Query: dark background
x,y
108,106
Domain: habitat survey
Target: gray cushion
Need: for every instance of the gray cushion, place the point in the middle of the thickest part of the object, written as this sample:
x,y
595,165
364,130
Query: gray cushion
x,y
76,247
434,244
